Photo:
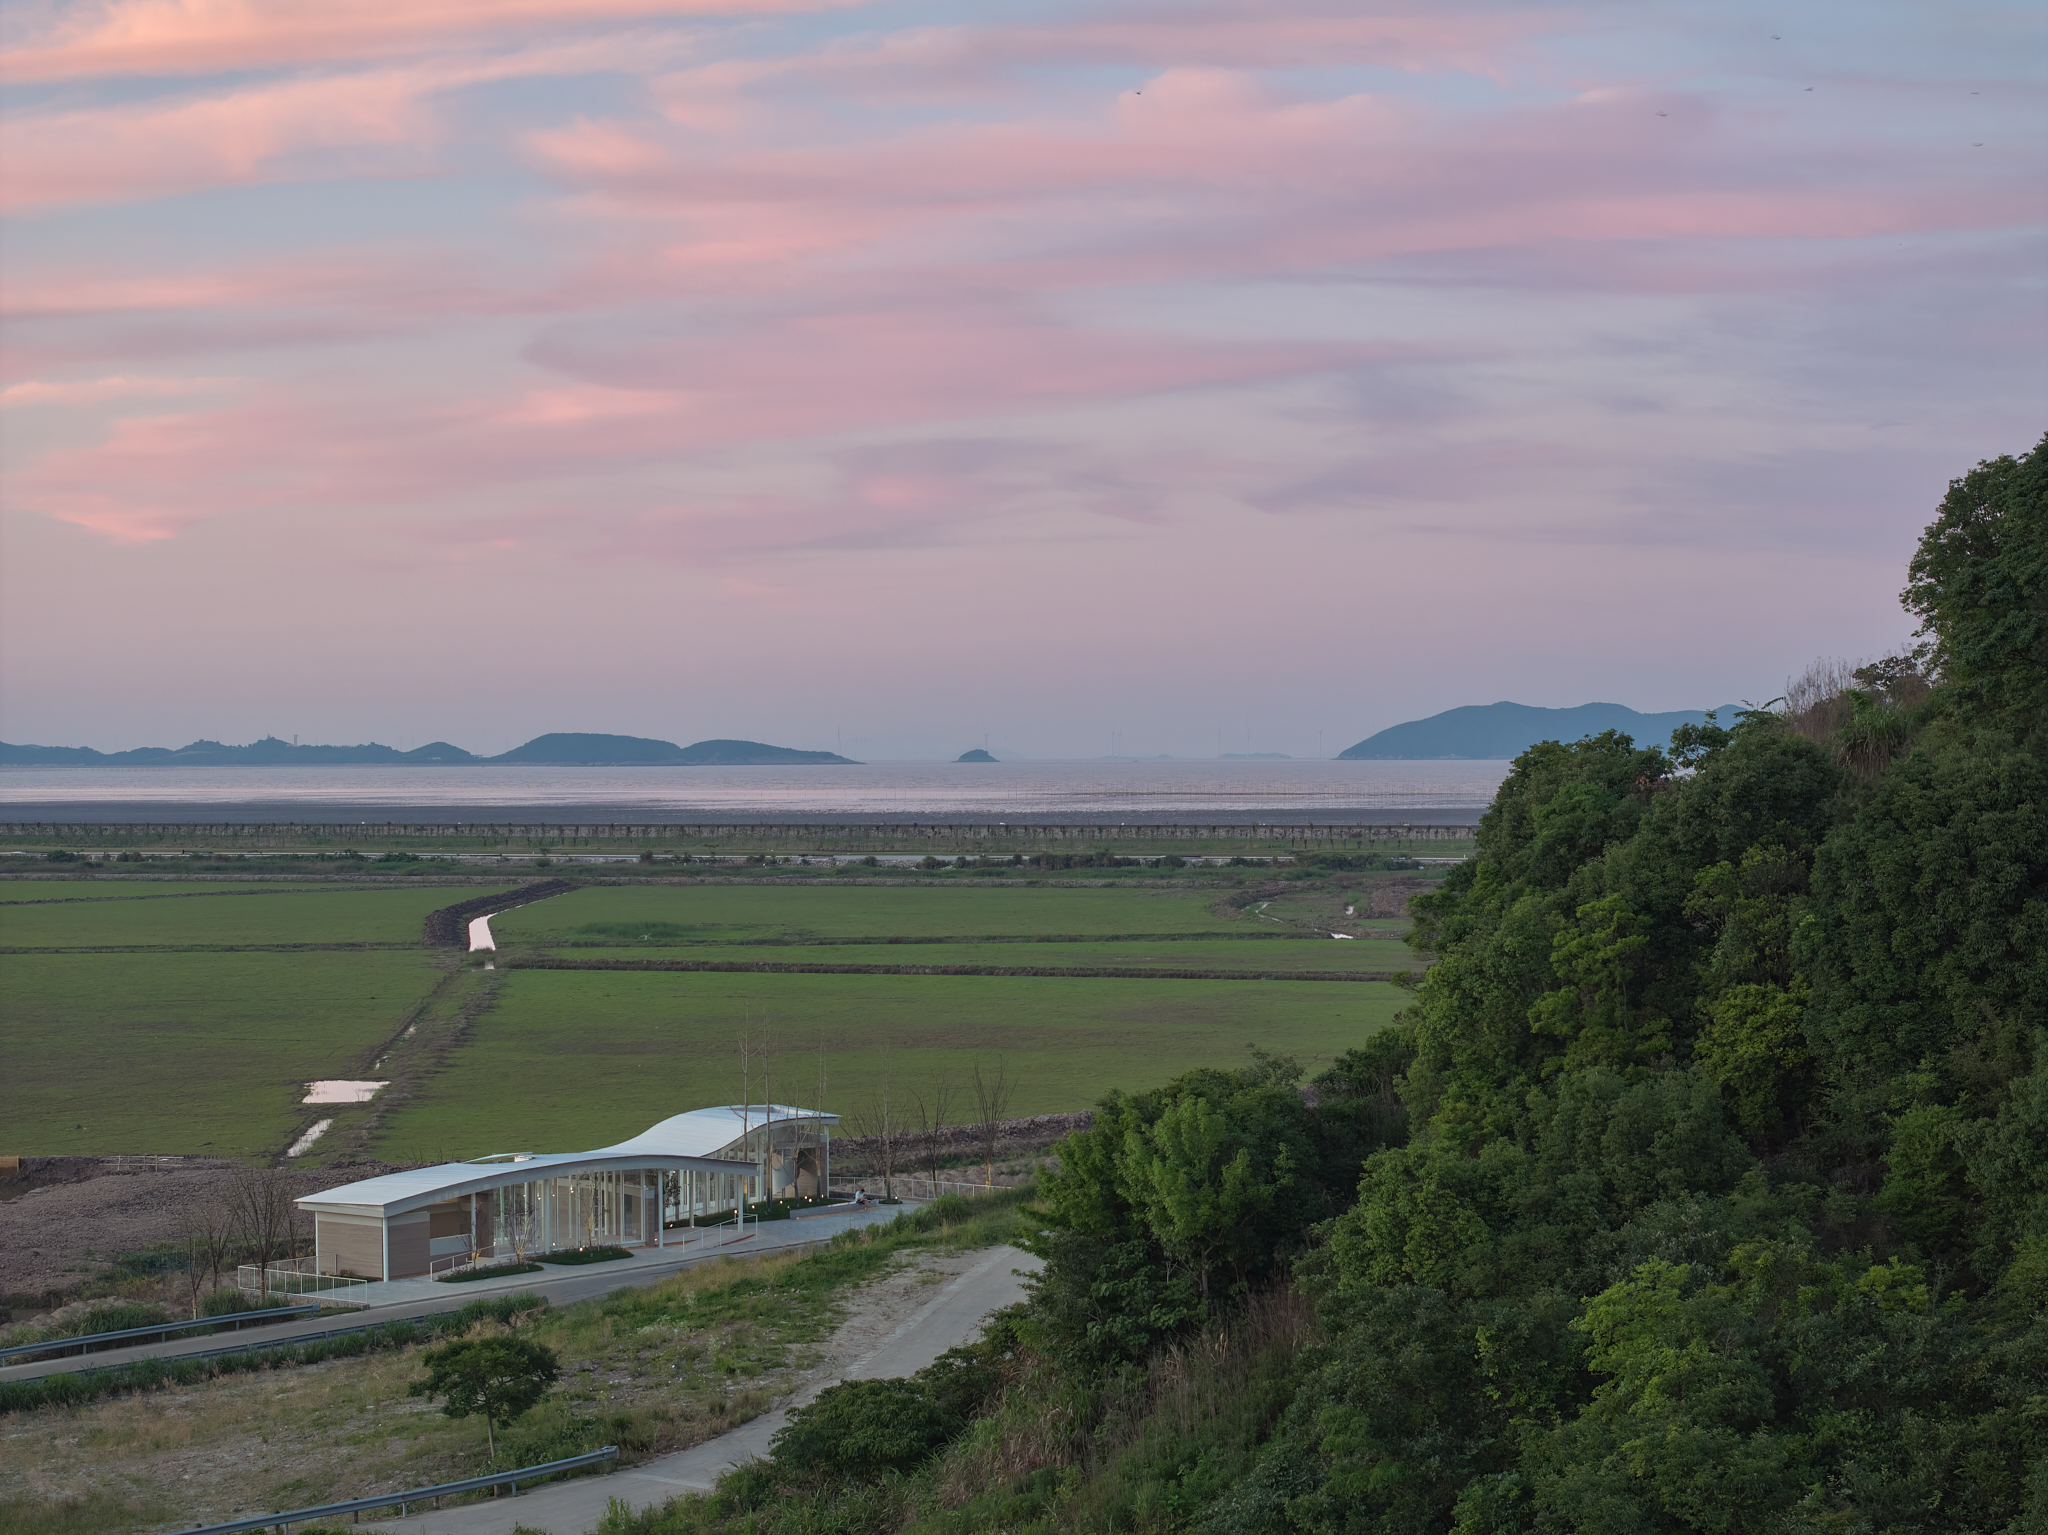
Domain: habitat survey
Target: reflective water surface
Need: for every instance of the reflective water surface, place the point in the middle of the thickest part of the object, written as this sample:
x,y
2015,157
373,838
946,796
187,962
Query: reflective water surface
x,y
1158,790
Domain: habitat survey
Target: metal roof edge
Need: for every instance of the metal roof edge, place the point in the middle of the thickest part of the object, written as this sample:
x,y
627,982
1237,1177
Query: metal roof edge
x,y
503,1175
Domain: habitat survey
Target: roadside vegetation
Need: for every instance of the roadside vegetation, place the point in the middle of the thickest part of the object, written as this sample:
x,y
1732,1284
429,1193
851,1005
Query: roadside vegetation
x,y
650,1370
1702,1187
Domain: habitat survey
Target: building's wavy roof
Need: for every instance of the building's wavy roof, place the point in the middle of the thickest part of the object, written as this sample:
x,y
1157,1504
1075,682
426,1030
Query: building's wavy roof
x,y
702,1140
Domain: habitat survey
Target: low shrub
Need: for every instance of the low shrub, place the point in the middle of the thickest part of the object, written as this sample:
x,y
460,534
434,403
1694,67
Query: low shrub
x,y
495,1271
859,1429
234,1303
569,1257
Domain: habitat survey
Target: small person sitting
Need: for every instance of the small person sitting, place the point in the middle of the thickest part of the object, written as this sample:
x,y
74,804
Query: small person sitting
x,y
860,1199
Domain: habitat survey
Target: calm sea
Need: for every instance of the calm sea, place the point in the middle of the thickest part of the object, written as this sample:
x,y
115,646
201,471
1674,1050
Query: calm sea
x,y
1027,791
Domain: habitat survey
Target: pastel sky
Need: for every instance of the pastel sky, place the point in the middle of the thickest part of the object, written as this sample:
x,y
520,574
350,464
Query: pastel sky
x,y
1247,374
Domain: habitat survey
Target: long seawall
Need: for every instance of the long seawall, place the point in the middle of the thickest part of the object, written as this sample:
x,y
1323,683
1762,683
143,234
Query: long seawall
x,y
656,835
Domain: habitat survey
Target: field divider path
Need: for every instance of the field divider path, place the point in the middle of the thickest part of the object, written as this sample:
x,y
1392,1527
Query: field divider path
x,y
209,948
448,928
1080,972
1229,935
303,888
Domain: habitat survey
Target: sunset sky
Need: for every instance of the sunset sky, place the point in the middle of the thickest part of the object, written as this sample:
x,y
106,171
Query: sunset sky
x,y
1259,374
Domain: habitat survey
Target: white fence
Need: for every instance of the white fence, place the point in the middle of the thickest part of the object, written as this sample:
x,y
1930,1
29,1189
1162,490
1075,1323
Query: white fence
x,y
292,1276
926,1188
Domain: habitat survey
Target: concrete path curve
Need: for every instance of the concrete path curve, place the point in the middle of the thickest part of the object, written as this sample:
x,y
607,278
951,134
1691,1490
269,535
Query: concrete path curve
x,y
950,1318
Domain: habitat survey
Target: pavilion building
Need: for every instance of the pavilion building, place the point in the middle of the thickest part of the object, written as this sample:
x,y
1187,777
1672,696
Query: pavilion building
x,y
427,1220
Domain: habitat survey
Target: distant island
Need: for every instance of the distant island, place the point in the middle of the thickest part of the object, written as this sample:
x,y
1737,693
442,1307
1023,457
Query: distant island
x,y
559,749
977,755
1503,730
1255,757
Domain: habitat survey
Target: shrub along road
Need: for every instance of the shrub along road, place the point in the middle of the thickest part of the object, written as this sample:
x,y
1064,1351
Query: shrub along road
x,y
946,1320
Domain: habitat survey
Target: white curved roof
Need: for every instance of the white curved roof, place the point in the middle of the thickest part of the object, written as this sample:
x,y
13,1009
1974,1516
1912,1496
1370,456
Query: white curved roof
x,y
701,1140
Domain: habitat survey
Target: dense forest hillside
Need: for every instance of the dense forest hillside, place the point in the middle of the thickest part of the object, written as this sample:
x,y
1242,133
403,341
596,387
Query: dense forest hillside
x,y
1704,1186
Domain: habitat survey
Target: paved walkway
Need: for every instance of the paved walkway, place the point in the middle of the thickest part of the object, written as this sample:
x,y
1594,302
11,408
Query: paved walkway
x,y
399,1299
950,1318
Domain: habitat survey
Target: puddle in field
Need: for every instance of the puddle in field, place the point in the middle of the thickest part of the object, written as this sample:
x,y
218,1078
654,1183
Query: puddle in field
x,y
341,1092
304,1143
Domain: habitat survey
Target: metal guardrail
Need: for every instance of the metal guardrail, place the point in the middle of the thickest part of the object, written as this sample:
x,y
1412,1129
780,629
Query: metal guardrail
x,y
401,1500
295,1339
86,1341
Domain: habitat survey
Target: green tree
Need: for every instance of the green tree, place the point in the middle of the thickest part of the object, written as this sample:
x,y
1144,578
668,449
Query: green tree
x,y
1979,585
1193,1183
499,1378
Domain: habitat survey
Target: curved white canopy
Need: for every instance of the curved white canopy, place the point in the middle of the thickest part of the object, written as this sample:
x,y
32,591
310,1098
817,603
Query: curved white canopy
x,y
726,1139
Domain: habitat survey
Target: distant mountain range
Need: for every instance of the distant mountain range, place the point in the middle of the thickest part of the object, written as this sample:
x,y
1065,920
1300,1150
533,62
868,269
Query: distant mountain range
x,y
560,749
1503,730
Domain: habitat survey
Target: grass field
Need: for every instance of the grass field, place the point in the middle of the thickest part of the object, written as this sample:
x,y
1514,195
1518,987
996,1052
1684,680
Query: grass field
x,y
263,915
187,1052
1281,954
723,913
568,1060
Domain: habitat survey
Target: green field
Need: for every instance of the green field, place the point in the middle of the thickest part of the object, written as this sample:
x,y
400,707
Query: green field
x,y
164,1046
723,913
262,915
1274,954
569,1060
187,1052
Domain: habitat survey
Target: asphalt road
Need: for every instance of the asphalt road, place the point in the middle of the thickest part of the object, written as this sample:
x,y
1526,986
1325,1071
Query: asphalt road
x,y
643,1268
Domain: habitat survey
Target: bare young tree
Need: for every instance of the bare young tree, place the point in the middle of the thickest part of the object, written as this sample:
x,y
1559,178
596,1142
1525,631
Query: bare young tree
x,y
209,1236
522,1224
1814,702
992,1095
934,1109
880,1123
261,1213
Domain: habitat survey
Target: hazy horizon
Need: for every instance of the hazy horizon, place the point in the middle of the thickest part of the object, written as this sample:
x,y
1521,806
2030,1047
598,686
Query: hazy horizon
x,y
883,377
898,748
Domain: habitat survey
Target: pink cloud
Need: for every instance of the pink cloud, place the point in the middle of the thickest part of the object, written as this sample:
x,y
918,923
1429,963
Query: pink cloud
x,y
1207,174
381,121
95,391
733,258
170,37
